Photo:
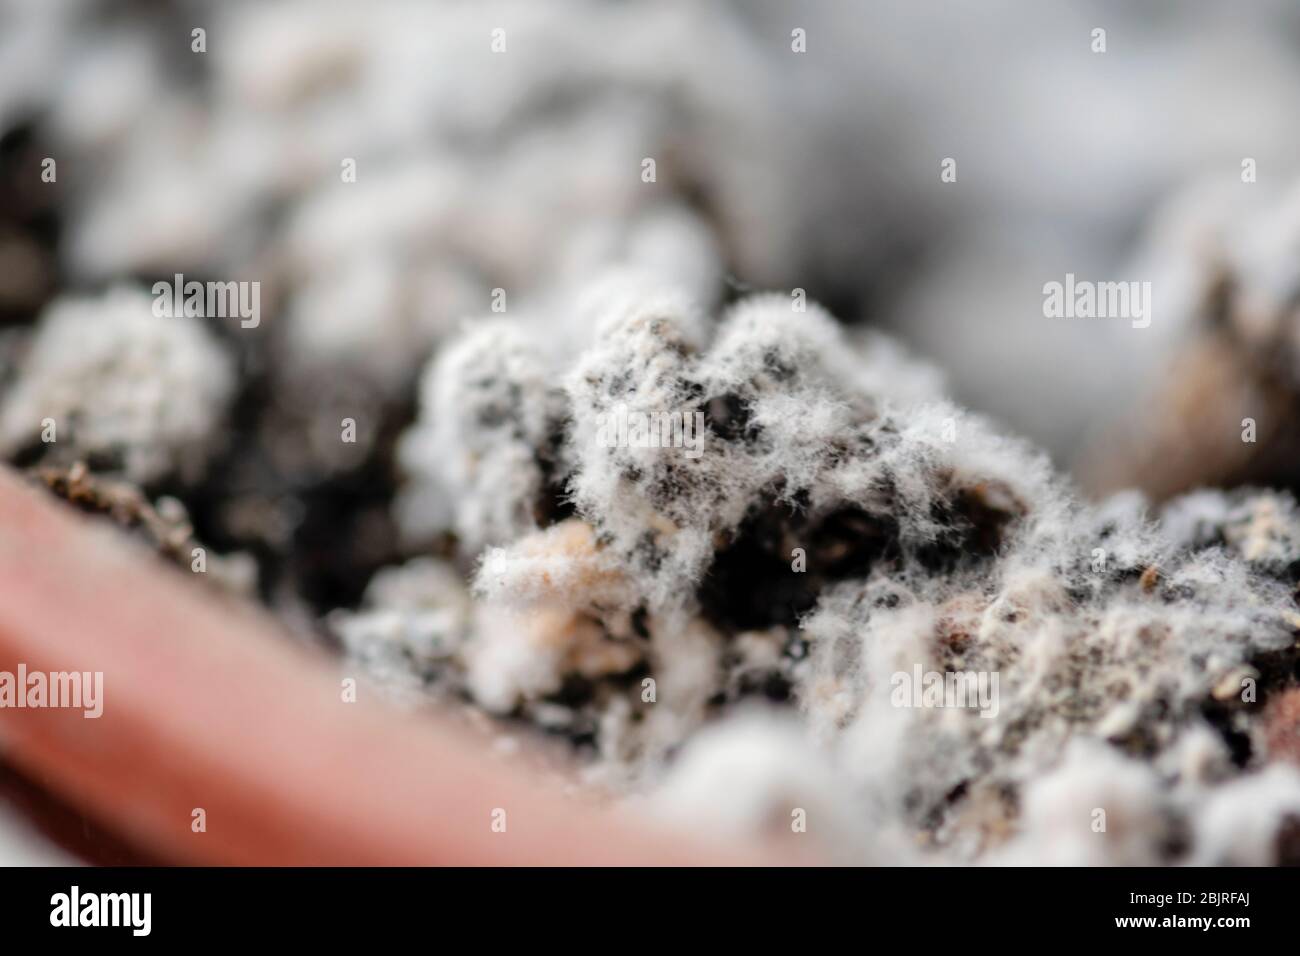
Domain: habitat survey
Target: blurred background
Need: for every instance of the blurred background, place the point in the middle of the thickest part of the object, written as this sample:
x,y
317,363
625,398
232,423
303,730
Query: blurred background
x,y
519,170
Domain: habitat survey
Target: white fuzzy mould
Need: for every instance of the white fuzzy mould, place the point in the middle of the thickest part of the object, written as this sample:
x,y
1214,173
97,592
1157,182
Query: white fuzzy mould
x,y
1095,809
760,774
933,543
1240,821
119,381
485,410
413,617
